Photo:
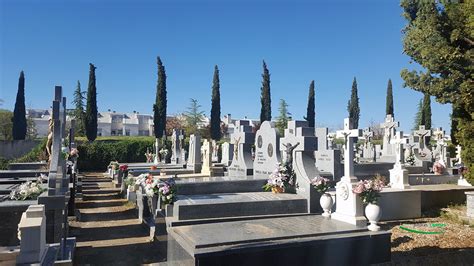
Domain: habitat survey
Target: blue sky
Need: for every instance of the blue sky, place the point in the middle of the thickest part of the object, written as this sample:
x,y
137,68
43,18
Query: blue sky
x,y
328,41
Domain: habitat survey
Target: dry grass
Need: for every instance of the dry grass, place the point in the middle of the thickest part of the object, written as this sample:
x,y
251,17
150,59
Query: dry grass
x,y
456,239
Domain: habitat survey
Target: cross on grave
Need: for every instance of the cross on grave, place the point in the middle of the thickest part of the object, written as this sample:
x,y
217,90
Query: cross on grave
x,y
367,135
389,127
349,134
331,137
349,206
422,134
302,143
242,138
438,134
322,135
458,154
399,141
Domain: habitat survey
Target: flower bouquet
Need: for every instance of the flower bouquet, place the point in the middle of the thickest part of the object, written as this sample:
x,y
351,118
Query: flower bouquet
x,y
73,154
123,167
321,184
29,190
438,168
369,190
167,191
282,179
114,165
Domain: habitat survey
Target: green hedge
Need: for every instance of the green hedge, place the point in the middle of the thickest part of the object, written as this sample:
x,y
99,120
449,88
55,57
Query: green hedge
x,y
95,156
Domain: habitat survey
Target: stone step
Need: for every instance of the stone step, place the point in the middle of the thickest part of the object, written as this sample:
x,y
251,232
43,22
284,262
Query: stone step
x,y
219,184
192,207
173,222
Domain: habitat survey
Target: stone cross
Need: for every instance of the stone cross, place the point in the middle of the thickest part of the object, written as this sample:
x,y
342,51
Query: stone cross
x,y
458,154
399,141
194,154
301,142
349,134
176,146
423,135
438,134
367,135
322,135
389,127
349,206
243,138
331,137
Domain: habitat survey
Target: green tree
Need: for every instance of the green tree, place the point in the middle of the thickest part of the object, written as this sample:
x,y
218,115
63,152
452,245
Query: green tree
x,y
265,99
194,117
91,106
426,118
159,108
283,117
31,132
19,113
418,116
439,37
310,114
215,128
6,124
78,113
353,105
389,101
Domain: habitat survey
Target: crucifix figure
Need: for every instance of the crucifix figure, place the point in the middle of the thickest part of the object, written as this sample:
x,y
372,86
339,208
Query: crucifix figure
x,y
389,127
236,148
367,135
349,134
399,141
289,153
422,133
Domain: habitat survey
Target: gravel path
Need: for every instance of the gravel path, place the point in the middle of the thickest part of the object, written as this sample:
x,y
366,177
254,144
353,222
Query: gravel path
x,y
109,232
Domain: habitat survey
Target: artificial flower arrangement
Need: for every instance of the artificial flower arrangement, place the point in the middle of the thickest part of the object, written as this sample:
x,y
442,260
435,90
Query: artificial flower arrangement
x,y
114,165
369,190
29,190
73,154
130,182
123,167
281,179
166,190
164,152
321,184
438,168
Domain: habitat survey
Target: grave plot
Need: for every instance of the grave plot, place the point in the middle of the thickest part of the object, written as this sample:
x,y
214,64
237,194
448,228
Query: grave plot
x,y
46,205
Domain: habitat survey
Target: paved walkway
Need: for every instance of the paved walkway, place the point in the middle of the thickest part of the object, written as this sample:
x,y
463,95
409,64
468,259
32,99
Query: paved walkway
x,y
109,232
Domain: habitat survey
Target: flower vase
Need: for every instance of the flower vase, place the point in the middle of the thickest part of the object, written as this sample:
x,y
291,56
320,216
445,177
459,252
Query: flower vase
x,y
277,190
373,212
326,203
131,194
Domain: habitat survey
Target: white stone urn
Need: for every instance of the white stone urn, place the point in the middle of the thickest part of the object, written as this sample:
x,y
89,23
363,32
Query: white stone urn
x,y
373,212
326,203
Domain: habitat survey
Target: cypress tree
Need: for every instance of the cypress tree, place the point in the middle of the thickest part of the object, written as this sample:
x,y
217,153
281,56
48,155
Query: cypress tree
x,y
389,102
79,115
159,108
91,106
266,110
310,115
19,113
283,118
216,133
427,111
419,120
353,105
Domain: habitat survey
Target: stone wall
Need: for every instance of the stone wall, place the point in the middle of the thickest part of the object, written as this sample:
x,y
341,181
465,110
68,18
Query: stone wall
x,y
16,148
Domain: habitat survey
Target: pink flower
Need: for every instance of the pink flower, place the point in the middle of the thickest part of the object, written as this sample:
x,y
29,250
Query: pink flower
x,y
359,188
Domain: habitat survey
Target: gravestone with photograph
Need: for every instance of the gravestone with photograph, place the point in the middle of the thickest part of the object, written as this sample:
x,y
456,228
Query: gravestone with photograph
x,y
267,154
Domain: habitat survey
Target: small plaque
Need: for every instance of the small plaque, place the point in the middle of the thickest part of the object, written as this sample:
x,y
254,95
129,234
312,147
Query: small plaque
x,y
270,150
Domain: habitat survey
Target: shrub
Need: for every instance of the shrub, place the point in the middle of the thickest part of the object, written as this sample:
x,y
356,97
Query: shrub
x,y
94,156
4,163
38,153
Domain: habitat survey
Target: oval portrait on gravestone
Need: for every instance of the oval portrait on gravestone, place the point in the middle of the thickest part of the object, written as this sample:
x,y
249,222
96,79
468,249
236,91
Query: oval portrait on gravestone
x,y
270,150
259,141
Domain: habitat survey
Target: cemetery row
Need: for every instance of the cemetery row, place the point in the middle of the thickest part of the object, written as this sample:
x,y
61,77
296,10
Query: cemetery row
x,y
218,209
37,198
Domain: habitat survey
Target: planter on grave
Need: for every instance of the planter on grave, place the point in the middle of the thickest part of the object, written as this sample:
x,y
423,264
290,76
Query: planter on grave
x,y
131,195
